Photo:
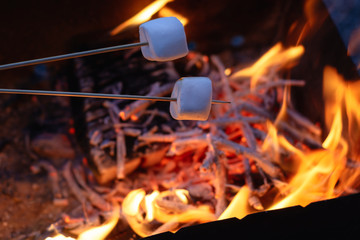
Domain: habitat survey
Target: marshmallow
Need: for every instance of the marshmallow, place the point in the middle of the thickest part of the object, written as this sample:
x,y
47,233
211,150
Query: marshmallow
x,y
166,38
194,96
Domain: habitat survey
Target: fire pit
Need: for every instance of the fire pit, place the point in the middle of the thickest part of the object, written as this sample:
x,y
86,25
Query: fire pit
x,y
140,173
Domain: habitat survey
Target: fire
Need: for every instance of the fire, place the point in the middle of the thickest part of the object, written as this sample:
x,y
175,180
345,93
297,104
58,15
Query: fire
x,y
322,173
315,175
145,15
168,12
95,233
273,60
59,237
142,16
239,205
168,207
103,230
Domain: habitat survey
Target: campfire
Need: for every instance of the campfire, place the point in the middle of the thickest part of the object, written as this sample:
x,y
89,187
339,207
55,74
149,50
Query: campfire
x,y
145,173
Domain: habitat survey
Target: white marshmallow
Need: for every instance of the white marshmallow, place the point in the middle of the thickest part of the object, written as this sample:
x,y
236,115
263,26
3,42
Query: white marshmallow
x,y
194,96
166,38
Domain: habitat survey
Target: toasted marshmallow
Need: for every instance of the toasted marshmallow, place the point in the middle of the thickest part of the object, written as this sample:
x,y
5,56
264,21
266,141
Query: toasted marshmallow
x,y
165,37
194,96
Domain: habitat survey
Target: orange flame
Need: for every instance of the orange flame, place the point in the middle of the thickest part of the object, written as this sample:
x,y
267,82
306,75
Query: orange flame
x,y
238,207
95,233
103,230
167,12
133,207
323,173
274,59
143,16
59,237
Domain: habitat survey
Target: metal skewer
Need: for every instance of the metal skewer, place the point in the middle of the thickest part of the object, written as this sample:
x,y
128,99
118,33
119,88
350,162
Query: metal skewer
x,y
71,55
94,95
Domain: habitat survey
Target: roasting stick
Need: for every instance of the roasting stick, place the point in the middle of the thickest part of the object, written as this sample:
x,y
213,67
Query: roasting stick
x,y
71,55
161,39
94,95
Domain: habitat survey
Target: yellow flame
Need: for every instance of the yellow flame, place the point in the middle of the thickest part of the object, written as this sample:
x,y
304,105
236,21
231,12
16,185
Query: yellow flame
x,y
95,233
271,143
322,174
167,12
100,232
133,209
183,195
143,16
149,204
274,59
333,93
340,94
59,237
131,203
238,207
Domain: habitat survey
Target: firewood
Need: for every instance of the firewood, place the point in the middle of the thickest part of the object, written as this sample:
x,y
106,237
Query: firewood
x,y
255,202
266,165
153,156
300,135
183,145
270,84
109,172
58,193
153,113
168,137
137,106
304,122
120,153
220,181
132,132
95,199
74,188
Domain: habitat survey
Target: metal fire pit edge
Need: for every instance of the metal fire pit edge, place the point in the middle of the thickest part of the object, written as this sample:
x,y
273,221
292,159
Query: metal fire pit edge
x,y
337,217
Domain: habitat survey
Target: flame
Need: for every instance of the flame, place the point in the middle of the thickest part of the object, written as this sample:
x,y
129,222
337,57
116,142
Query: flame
x,y
274,59
167,12
238,206
100,232
323,173
95,233
138,202
149,203
143,16
59,237
271,145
